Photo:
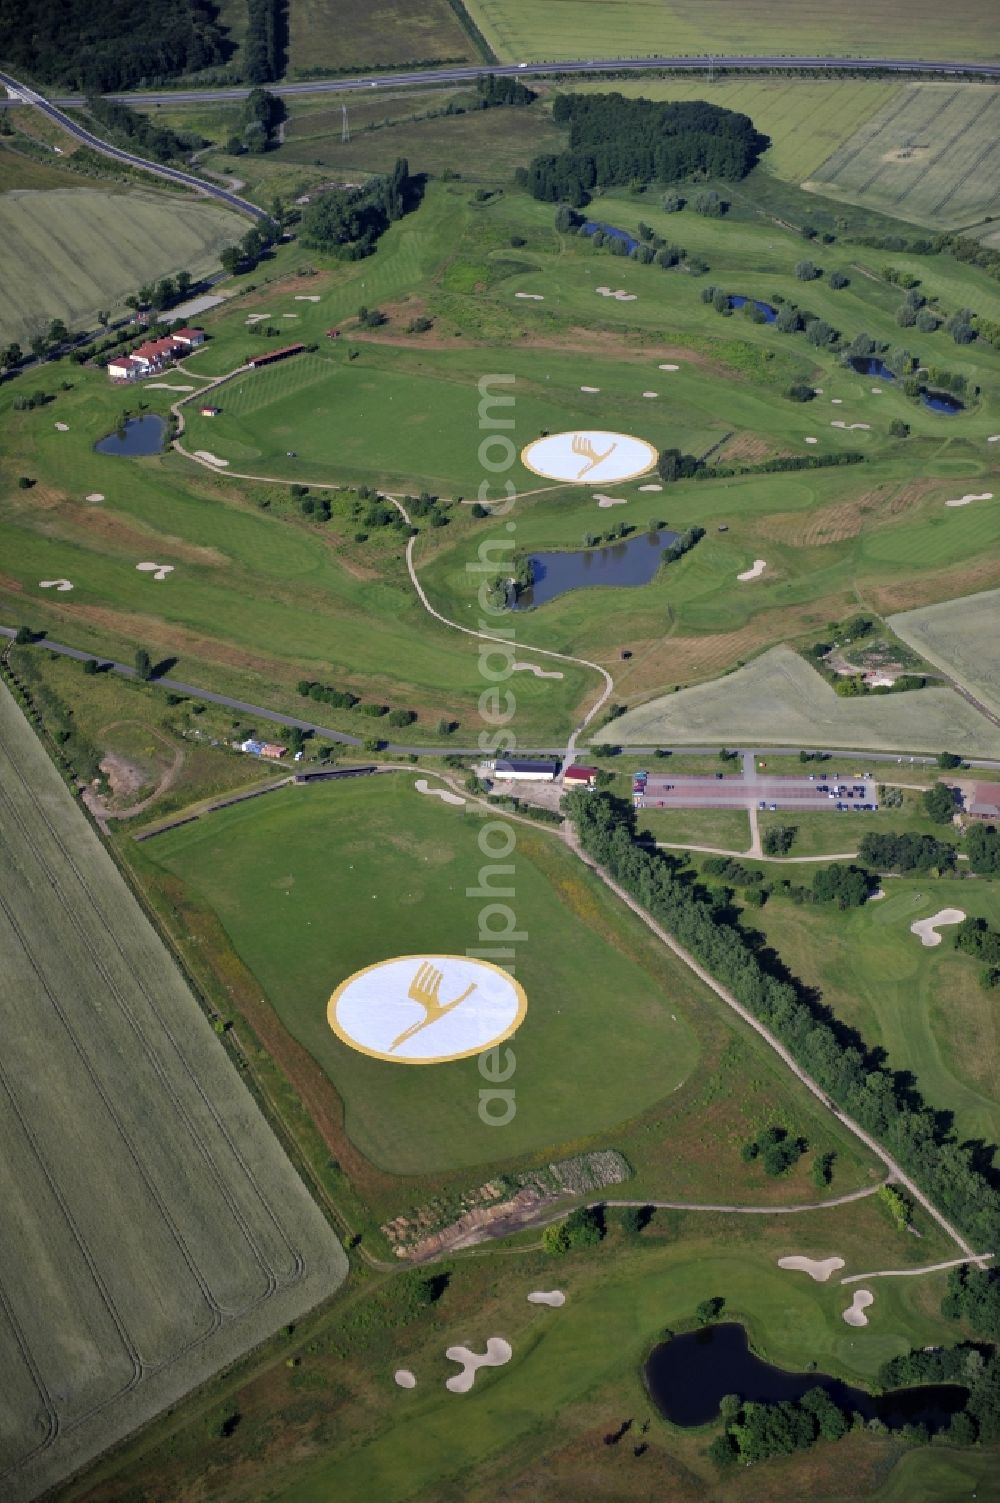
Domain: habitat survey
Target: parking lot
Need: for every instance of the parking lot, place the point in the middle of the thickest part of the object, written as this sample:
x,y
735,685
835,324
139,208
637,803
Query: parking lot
x,y
845,788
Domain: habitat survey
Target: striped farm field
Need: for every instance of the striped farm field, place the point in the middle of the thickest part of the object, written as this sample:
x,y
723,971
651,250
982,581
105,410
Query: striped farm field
x,y
931,154
540,30
154,1231
959,637
806,119
60,261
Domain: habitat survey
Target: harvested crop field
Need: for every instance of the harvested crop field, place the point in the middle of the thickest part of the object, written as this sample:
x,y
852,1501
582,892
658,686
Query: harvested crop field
x,y
61,262
959,637
353,34
153,1230
778,699
931,154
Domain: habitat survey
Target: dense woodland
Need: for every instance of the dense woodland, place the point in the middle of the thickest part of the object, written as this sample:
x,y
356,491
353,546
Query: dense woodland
x,y
350,221
957,1176
613,140
115,45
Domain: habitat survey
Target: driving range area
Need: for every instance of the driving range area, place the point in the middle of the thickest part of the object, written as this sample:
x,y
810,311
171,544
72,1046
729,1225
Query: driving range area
x,y
154,1231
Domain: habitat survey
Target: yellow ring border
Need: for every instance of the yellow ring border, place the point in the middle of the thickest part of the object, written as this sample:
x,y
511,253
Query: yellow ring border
x,y
569,480
439,1059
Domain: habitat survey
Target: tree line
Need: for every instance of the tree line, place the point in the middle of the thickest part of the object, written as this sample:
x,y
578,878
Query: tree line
x,y
117,45
266,46
847,1069
614,140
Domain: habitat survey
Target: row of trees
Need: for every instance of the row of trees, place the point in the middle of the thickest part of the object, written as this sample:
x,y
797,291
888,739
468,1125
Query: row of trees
x,y
117,45
836,1057
266,45
139,133
343,699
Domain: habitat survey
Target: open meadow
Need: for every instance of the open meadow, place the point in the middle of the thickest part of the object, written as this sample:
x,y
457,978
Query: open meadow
x,y
329,36
155,1230
276,869
959,637
931,154
540,30
61,262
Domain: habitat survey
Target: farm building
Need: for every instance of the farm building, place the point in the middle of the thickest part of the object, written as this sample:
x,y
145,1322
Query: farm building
x,y
289,349
580,777
521,769
210,411
255,748
985,803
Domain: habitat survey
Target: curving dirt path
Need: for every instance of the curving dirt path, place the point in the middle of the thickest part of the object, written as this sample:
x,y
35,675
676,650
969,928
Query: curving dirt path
x,y
907,1273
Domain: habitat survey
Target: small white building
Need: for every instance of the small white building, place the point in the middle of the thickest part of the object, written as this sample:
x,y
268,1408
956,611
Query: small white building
x,y
523,770
124,368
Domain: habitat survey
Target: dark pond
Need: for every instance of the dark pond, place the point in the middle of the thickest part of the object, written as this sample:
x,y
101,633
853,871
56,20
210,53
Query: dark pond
x,y
688,1375
739,301
869,365
591,226
940,401
143,435
633,561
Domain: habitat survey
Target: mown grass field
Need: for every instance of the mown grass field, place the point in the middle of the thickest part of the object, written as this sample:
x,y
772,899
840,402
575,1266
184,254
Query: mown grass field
x,y
931,154
778,699
327,35
62,262
924,1006
156,1231
818,833
280,867
540,30
959,637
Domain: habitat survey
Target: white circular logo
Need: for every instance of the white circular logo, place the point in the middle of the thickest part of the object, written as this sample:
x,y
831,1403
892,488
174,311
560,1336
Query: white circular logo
x,y
589,456
425,1009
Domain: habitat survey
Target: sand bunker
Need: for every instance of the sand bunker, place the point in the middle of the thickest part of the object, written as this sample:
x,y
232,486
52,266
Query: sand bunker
x,y
62,427
534,668
812,440
255,318
651,393
402,1377
838,423
855,1314
422,786
158,571
819,1269
837,401
651,487
965,500
55,584
497,1353
590,388
532,297
759,565
669,367
620,295
96,496
927,928
625,297
166,386
874,897
818,390
553,1297
209,457
994,438
605,501
876,391
307,297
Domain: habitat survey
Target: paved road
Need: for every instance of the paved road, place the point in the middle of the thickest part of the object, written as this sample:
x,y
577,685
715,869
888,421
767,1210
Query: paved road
x,y
432,76
173,174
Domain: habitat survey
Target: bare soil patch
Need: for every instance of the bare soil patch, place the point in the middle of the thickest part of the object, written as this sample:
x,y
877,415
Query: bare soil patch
x,y
877,508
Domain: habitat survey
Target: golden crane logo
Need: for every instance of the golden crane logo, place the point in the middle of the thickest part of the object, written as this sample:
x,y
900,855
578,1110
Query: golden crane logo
x,y
589,456
426,1009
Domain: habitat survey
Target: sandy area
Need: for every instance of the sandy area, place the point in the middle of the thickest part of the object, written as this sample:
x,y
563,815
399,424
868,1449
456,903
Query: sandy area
x,y
307,297
256,318
553,1297
166,386
837,401
605,501
619,295
590,388
759,565
62,427
288,315
855,1313
209,457
446,797
876,391
651,393
532,297
812,440
965,500
651,487
158,571
818,390
669,367
402,1377
927,928
95,496
536,670
497,1353
55,584
819,1269
994,438
874,897
837,423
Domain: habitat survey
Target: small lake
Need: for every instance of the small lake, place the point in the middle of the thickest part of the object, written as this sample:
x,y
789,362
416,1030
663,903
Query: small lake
x,y
633,561
870,365
942,401
591,227
688,1375
739,301
142,435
